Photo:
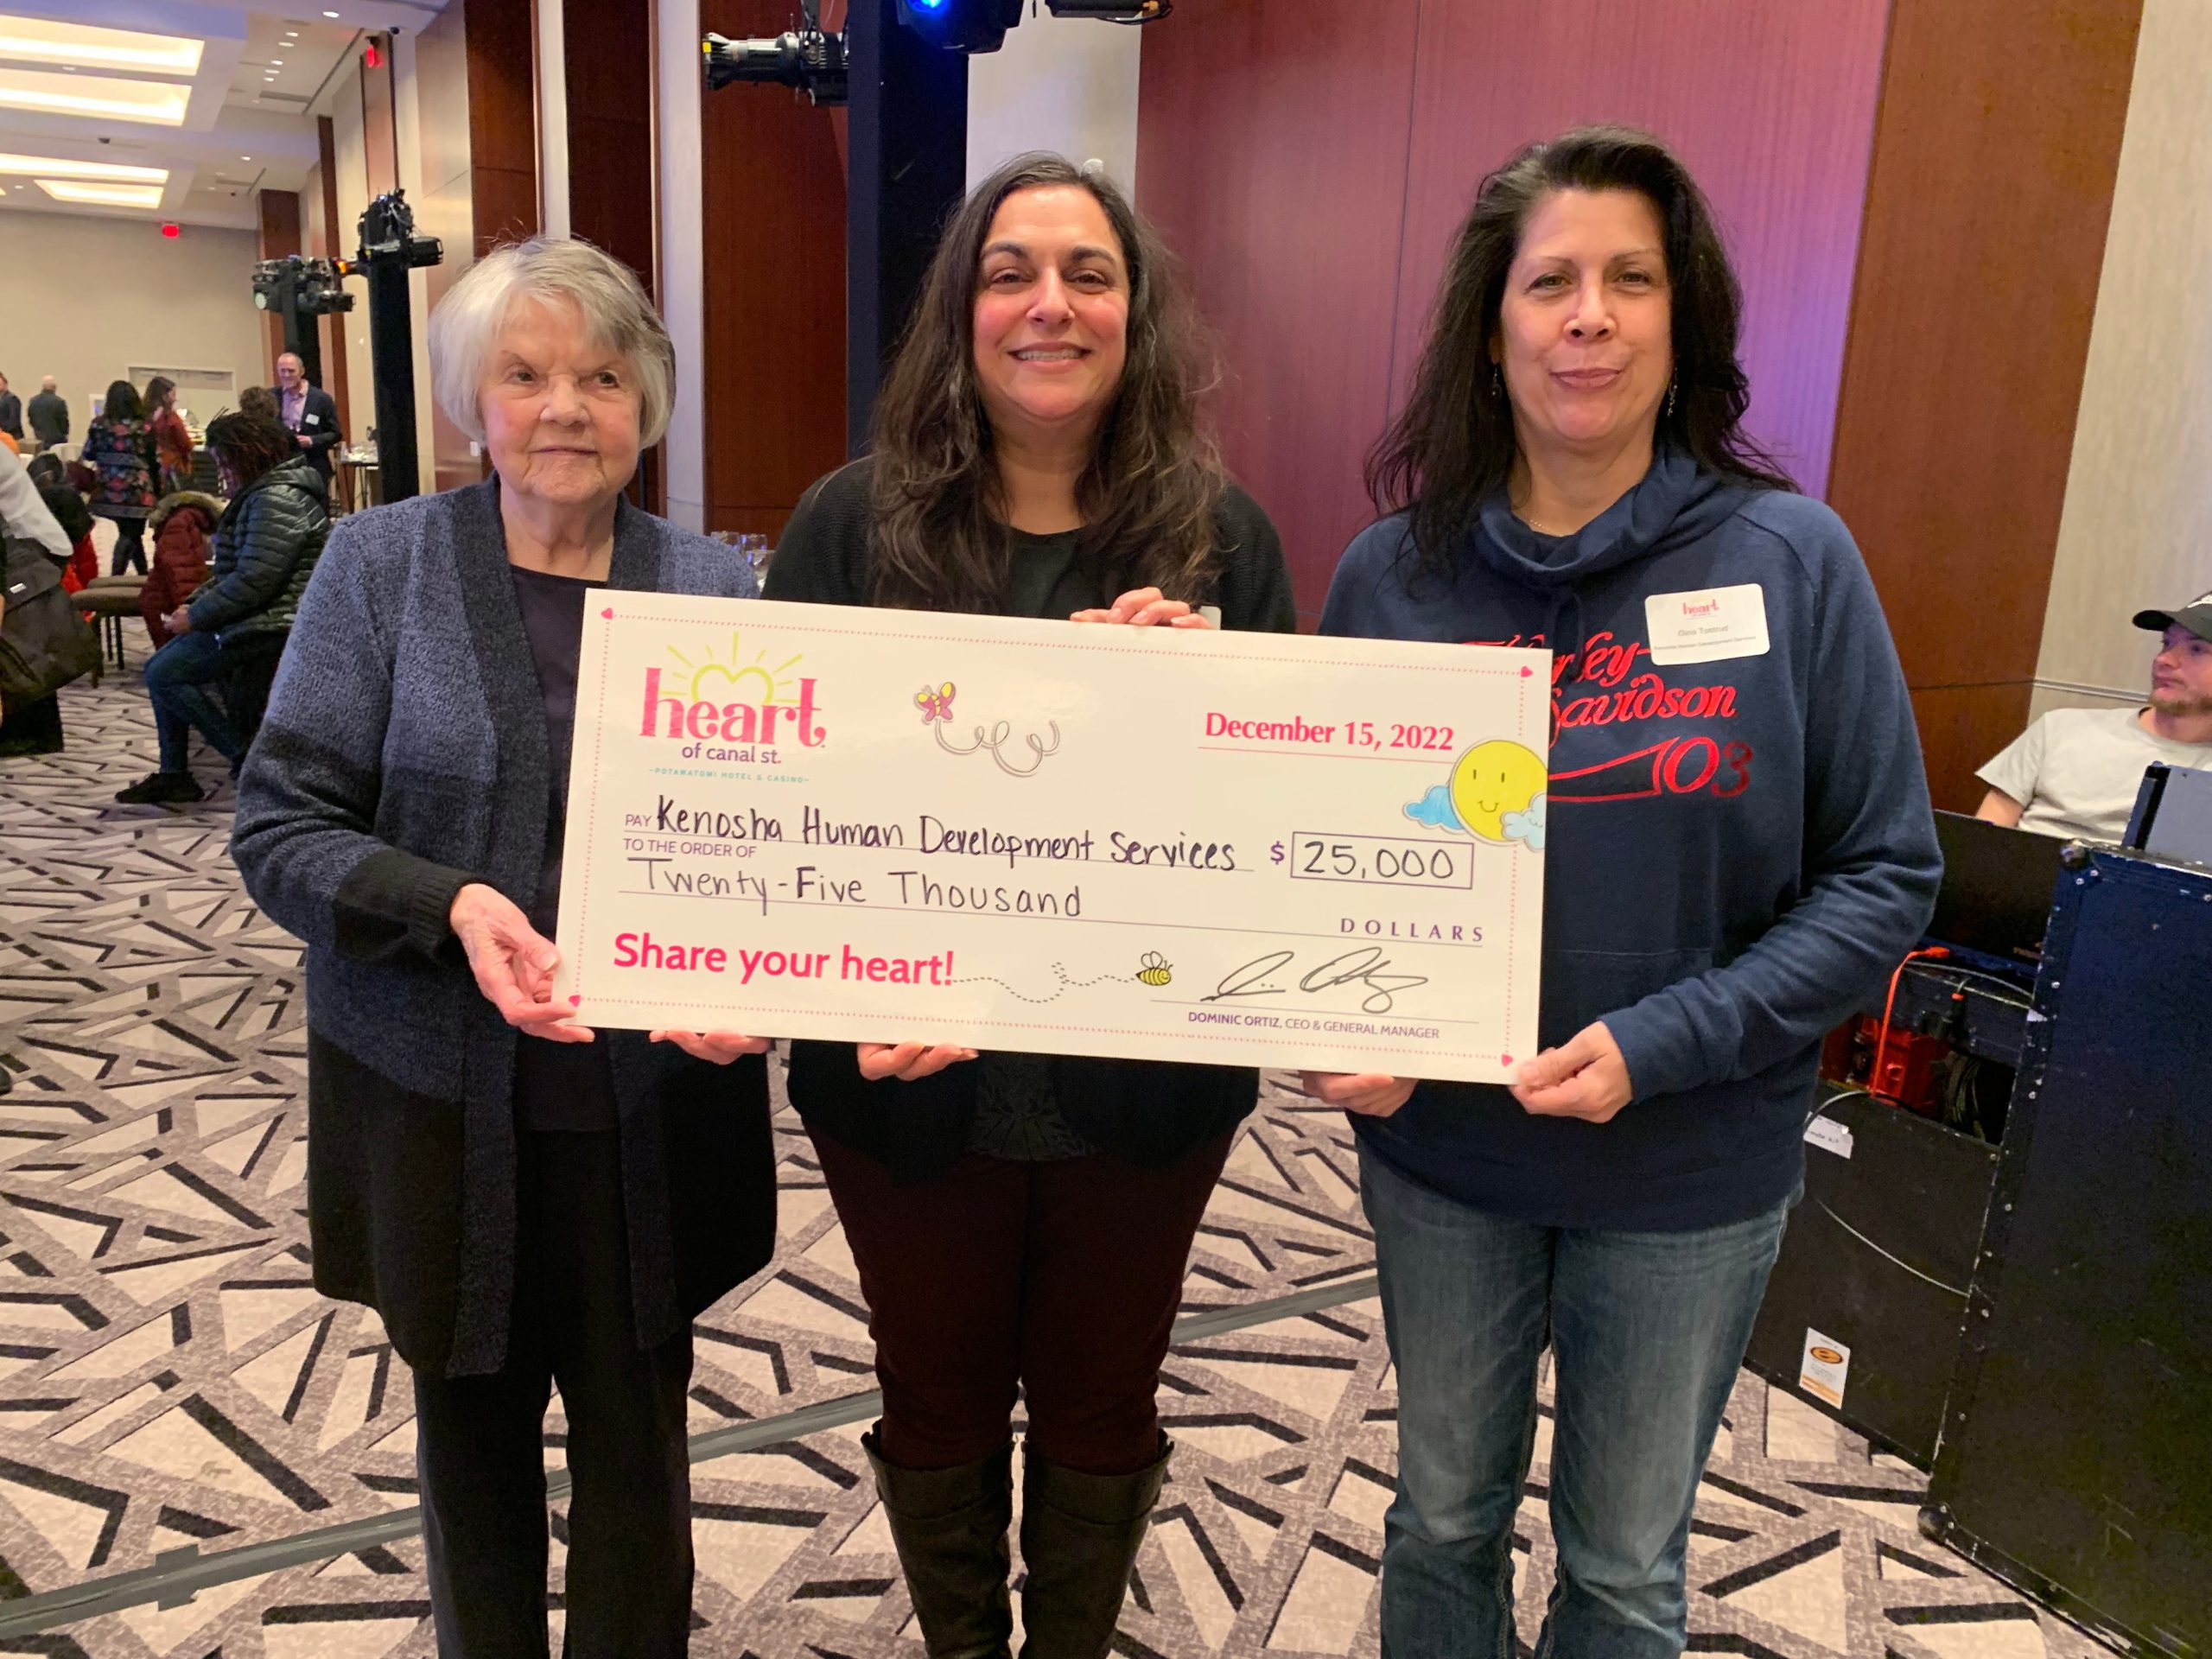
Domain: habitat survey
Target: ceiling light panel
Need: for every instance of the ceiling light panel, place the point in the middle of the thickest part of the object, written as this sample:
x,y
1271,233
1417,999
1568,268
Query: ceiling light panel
x,y
47,167
38,93
35,40
103,195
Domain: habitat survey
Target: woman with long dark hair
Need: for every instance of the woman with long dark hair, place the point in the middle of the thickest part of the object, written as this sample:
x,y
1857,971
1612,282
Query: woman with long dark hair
x,y
119,448
1023,1222
1737,844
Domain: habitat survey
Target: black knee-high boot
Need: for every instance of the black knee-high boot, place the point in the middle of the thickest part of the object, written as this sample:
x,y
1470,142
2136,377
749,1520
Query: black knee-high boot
x,y
949,1526
1079,1539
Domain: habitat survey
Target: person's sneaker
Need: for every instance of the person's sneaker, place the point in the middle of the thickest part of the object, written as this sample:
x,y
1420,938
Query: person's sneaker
x,y
163,789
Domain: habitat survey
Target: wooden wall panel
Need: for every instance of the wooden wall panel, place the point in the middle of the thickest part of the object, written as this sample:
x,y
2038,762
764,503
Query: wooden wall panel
x,y
1280,185
1986,206
1960,727
613,171
1772,108
502,119
775,289
278,216
1315,194
339,242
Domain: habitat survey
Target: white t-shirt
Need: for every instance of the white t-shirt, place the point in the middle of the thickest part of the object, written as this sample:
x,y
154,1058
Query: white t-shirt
x,y
2077,771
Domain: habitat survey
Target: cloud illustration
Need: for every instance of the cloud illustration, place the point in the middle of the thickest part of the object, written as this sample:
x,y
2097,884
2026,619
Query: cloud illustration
x,y
1527,826
1435,808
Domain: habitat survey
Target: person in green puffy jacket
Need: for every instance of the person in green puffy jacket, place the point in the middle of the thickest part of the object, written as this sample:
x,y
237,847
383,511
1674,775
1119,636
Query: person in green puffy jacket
x,y
230,634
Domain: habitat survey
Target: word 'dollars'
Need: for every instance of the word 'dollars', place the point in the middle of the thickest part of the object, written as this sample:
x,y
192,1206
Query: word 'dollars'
x,y
643,950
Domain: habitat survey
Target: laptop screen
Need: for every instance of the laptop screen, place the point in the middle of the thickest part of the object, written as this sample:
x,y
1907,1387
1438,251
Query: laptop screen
x,y
1997,888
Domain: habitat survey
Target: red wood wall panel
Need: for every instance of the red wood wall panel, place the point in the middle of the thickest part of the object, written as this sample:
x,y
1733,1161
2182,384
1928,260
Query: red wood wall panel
x,y
1984,239
775,289
1271,153
613,177
1315,191
338,242
1772,108
278,219
502,119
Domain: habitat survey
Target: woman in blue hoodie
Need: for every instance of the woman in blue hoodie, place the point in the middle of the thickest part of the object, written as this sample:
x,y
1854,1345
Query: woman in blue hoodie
x,y
1738,845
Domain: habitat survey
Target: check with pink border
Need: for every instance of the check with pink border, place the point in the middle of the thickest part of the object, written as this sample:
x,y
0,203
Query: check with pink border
x,y
1239,848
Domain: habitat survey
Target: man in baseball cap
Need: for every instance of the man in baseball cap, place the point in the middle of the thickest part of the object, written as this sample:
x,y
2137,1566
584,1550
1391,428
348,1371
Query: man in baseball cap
x,y
2075,771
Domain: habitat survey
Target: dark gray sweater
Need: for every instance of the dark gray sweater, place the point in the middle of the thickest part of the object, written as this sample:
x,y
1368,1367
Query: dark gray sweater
x,y
403,756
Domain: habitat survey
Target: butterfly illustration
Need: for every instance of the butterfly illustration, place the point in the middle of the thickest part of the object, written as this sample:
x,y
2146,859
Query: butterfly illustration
x,y
935,705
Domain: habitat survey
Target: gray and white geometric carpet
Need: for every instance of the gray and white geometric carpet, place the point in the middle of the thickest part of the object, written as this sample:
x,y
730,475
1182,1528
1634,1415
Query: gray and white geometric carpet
x,y
169,1379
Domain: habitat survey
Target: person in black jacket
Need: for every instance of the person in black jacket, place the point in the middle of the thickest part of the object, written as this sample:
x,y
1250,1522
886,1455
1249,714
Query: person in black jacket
x,y
48,415
309,412
1020,1220
233,627
12,411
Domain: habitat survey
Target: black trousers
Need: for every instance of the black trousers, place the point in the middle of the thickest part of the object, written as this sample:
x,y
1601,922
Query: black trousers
x,y
478,1439
129,546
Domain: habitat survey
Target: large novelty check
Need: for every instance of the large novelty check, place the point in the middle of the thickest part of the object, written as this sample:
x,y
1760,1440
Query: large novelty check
x,y
807,821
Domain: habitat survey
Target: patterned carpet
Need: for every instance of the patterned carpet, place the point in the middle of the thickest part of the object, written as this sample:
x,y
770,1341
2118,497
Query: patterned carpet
x,y
168,1378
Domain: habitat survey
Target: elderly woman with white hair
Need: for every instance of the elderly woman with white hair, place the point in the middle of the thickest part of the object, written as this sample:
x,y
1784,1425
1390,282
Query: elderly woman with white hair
x,y
524,1202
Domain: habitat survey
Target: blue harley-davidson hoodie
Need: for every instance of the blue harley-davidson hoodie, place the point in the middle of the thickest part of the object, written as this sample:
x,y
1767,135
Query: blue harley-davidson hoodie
x,y
1735,851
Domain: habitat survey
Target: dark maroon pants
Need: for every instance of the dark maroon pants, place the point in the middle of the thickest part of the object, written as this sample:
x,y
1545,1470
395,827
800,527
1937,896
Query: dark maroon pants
x,y
1062,1278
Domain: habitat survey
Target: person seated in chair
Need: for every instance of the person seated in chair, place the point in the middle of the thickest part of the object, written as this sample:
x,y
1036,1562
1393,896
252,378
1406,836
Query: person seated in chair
x,y
233,627
180,527
2075,771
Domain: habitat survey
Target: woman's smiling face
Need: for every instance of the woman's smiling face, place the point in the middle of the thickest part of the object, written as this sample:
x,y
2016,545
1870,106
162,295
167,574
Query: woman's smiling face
x,y
1051,312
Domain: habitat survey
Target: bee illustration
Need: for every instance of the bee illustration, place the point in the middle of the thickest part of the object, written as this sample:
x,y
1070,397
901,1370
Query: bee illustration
x,y
1155,969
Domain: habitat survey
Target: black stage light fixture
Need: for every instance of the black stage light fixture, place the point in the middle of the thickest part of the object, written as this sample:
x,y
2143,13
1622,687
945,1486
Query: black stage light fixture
x,y
807,58
961,25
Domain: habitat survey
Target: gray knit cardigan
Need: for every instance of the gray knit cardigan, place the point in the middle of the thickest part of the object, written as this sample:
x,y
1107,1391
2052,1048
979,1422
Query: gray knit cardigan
x,y
404,754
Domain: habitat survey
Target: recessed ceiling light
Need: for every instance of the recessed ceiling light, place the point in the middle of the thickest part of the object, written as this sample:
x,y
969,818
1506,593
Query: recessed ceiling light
x,y
156,103
103,195
48,168
35,40
279,62
330,13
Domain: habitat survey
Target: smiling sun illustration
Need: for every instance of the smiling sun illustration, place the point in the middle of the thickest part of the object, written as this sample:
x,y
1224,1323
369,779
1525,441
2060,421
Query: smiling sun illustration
x,y
1492,779
752,682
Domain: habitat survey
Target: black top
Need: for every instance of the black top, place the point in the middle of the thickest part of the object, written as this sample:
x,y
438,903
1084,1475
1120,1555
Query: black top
x,y
11,414
1149,1111
49,418
564,1086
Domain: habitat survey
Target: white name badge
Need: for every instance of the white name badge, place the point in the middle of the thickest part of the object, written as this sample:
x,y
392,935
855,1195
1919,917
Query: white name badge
x,y
1708,625
311,420
1247,849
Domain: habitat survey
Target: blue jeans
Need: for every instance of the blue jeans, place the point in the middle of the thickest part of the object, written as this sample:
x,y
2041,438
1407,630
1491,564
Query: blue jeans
x,y
177,678
1647,1331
